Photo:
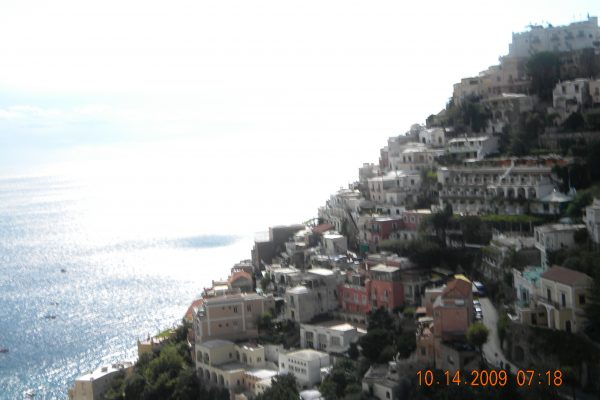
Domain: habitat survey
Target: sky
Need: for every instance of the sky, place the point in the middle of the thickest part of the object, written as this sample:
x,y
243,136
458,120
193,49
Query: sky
x,y
83,80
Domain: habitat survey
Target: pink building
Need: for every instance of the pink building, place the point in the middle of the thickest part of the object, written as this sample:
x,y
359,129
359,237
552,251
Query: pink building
x,y
380,287
453,310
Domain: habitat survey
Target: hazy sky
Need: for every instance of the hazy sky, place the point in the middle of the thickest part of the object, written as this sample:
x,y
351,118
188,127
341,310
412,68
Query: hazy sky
x,y
344,74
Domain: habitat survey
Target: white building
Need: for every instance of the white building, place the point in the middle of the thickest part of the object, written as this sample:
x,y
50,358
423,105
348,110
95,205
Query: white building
x,y
224,363
305,365
472,147
592,220
495,185
505,110
334,244
93,385
434,137
575,36
569,97
344,205
594,87
395,187
552,237
330,336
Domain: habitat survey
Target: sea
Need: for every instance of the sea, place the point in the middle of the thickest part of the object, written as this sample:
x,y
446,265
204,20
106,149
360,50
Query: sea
x,y
114,245
79,287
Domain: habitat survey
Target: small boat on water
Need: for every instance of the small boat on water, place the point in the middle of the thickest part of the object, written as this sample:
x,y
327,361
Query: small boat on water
x,y
3,350
29,394
63,270
50,316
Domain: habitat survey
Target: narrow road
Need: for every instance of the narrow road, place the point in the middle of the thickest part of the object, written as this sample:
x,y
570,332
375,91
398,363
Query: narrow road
x,y
492,349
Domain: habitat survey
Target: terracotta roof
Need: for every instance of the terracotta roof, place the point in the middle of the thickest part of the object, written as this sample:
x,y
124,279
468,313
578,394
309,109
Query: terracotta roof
x,y
457,288
240,274
190,311
566,276
320,229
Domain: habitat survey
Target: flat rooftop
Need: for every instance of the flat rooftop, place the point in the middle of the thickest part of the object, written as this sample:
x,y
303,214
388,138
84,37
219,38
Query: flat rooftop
x,y
307,354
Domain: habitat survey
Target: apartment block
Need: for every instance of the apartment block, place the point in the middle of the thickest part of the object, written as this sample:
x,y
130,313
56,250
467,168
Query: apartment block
x,y
231,317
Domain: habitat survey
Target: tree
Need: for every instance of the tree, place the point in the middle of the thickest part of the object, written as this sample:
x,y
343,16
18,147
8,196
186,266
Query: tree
x,y
477,335
544,70
374,342
574,122
283,387
134,386
353,352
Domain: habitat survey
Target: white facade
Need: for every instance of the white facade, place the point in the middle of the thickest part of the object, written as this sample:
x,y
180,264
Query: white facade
x,y
93,385
472,147
569,97
505,110
592,220
434,137
575,36
554,237
403,184
493,186
334,244
331,336
305,365
594,87
341,206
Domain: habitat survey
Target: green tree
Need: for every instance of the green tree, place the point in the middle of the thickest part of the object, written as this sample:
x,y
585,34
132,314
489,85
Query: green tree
x,y
134,386
477,335
544,70
374,342
353,352
283,387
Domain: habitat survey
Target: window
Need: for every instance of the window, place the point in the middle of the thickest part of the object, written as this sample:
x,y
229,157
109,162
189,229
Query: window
x,y
563,300
249,307
581,299
387,395
235,309
548,294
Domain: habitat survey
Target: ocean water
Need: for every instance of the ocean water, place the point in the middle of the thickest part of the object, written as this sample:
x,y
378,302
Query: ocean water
x,y
132,264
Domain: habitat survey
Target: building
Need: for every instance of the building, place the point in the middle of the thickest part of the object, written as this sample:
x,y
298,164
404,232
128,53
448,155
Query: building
x,y
231,317
504,251
434,137
592,220
527,287
569,97
329,336
334,244
386,288
474,147
453,310
441,332
304,364
554,298
392,381
92,386
397,187
575,36
498,186
553,237
505,110
594,95
313,293
226,364
241,281
267,245
376,228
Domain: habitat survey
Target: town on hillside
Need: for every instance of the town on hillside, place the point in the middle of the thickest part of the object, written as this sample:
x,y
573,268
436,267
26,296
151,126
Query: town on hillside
x,y
465,263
